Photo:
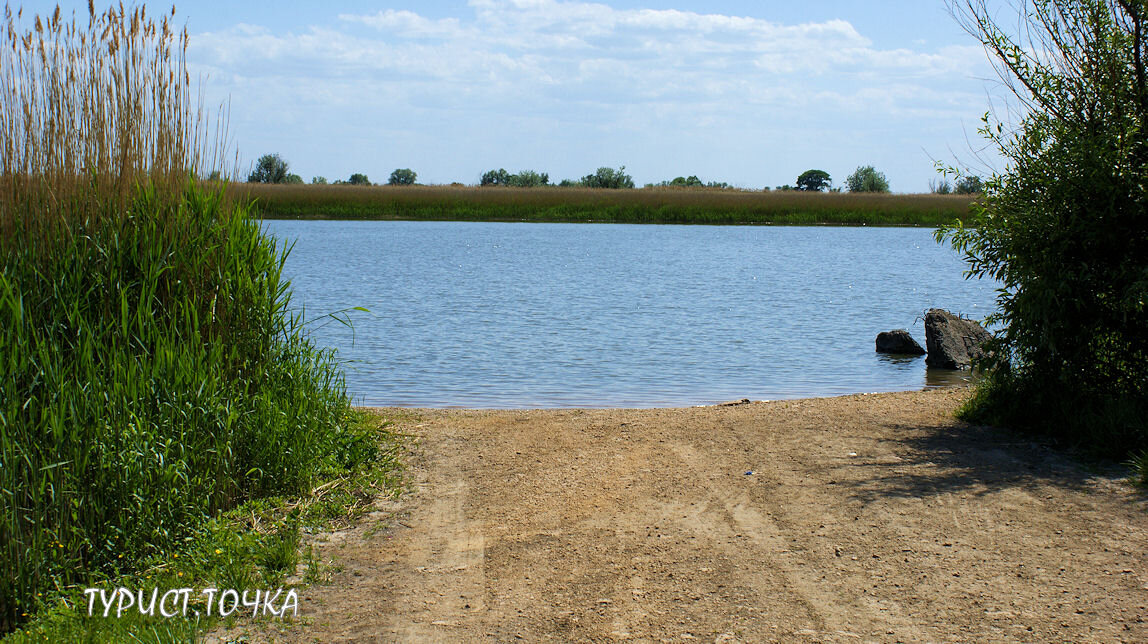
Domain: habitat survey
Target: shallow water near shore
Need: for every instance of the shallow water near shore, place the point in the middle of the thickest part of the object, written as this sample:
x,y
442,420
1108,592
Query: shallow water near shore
x,y
510,315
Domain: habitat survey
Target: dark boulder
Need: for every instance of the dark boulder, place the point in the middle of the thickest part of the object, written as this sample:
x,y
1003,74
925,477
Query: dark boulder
x,y
953,342
898,341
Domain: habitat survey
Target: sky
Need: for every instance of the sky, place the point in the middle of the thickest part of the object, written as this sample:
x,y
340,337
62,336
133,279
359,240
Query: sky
x,y
749,93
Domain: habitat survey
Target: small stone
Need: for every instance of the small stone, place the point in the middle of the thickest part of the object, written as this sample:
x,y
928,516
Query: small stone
x,y
898,341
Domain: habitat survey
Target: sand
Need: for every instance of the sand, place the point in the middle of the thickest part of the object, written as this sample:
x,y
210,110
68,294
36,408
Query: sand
x,y
853,519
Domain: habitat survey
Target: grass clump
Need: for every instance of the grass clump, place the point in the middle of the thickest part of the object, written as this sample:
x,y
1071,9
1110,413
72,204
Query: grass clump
x,y
153,373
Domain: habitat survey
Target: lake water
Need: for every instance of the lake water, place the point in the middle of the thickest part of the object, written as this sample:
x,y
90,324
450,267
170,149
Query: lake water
x,y
583,315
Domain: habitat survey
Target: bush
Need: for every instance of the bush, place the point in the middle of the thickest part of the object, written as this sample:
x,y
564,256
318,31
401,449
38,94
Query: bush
x,y
1064,229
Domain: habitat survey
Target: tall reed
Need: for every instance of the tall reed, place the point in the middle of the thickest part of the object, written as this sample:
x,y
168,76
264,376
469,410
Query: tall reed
x,y
152,372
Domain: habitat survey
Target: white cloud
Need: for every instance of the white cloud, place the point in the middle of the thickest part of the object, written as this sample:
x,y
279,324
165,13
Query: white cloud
x,y
569,63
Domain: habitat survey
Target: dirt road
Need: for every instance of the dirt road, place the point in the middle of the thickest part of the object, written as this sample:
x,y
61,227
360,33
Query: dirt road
x,y
863,518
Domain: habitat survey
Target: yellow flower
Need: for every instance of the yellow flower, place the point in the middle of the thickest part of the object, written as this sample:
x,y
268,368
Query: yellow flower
x,y
180,574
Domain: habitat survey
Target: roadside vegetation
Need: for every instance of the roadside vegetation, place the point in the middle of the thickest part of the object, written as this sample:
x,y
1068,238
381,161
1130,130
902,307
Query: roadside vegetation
x,y
1064,229
670,205
155,377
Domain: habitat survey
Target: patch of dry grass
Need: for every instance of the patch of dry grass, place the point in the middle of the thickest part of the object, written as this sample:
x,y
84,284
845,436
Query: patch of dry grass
x,y
648,205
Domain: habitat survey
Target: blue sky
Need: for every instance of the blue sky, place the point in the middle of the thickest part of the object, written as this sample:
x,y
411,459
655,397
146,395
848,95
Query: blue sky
x,y
751,93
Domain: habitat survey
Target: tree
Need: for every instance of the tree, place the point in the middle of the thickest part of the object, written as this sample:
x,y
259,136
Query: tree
x,y
360,179
813,181
529,179
867,179
499,177
402,177
293,178
970,185
319,180
271,168
608,178
1064,227
691,181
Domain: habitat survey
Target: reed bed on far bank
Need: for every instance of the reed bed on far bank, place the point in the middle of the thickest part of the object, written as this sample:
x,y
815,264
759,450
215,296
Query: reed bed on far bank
x,y
639,206
152,374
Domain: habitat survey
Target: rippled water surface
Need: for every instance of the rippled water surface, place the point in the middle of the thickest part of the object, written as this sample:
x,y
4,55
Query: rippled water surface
x,y
574,315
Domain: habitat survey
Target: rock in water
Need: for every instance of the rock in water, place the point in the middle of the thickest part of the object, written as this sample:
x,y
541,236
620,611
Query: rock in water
x,y
953,342
898,341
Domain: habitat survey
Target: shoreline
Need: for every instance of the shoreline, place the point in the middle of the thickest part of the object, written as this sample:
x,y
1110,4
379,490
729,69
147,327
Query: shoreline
x,y
731,402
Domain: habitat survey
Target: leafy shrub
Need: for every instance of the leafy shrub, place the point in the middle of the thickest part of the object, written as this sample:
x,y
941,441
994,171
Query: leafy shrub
x,y
1064,229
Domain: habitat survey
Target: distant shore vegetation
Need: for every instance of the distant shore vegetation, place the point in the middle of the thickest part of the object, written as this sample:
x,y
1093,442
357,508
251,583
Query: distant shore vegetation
x,y
668,204
607,195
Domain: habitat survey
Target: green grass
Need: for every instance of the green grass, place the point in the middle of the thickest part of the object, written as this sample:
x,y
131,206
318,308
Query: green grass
x,y
154,376
257,545
581,205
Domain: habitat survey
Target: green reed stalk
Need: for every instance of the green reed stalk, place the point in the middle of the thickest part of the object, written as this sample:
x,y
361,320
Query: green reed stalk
x,y
152,374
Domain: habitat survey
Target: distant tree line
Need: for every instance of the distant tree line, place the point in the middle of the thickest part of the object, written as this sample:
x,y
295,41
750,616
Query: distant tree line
x,y
271,168
524,179
691,181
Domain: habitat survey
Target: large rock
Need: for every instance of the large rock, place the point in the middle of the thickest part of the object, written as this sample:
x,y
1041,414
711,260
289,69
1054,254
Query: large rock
x,y
953,342
898,341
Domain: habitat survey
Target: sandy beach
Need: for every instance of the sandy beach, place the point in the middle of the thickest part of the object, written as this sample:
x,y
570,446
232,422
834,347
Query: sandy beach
x,y
865,518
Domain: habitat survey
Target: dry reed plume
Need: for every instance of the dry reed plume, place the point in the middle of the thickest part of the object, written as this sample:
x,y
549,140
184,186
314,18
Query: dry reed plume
x,y
89,114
